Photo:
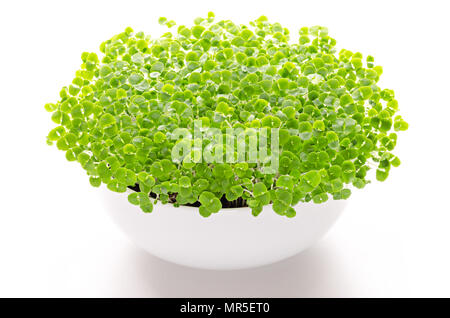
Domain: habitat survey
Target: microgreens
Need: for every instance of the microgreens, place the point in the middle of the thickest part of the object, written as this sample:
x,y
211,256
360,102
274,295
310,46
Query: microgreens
x,y
119,113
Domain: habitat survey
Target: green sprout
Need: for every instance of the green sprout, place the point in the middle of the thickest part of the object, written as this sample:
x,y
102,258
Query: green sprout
x,y
118,116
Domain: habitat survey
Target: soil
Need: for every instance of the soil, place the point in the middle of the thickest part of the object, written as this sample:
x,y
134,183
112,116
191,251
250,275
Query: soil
x,y
238,203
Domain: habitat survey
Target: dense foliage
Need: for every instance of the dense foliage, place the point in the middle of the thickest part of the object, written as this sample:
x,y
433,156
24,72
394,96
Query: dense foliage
x,y
117,115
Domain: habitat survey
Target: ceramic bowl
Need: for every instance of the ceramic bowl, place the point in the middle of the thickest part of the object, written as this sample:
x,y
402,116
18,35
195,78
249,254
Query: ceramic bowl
x,y
229,239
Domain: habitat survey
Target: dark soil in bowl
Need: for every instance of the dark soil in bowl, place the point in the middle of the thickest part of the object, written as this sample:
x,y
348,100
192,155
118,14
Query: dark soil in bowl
x,y
238,203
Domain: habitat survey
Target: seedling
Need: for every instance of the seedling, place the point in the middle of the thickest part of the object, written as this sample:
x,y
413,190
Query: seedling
x,y
119,116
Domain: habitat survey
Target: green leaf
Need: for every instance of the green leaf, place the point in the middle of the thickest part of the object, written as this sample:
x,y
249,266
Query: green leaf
x,y
201,185
192,56
290,212
261,104
145,203
207,198
120,116
312,178
205,212
135,78
107,120
382,175
348,170
125,176
115,186
159,137
344,194
280,207
184,182
223,108
197,31
157,67
133,198
284,196
305,130
366,92
103,170
320,198
105,71
346,100
285,182
257,210
259,189
95,182
222,171
234,193
263,199
271,122
145,179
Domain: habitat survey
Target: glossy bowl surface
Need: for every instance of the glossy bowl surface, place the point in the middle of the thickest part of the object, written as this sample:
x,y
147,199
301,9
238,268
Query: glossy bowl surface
x,y
230,239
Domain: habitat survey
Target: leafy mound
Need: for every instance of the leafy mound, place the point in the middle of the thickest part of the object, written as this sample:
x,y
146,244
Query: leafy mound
x,y
117,116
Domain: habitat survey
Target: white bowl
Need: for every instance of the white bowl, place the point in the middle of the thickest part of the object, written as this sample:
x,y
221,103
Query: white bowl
x,y
230,239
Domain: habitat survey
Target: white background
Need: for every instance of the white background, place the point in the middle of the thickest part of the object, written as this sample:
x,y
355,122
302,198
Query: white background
x,y
56,239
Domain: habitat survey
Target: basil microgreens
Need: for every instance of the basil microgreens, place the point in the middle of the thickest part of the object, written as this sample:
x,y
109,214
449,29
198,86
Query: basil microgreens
x,y
117,115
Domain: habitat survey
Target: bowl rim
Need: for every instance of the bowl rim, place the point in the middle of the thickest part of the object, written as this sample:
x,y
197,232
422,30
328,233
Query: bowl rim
x,y
129,191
